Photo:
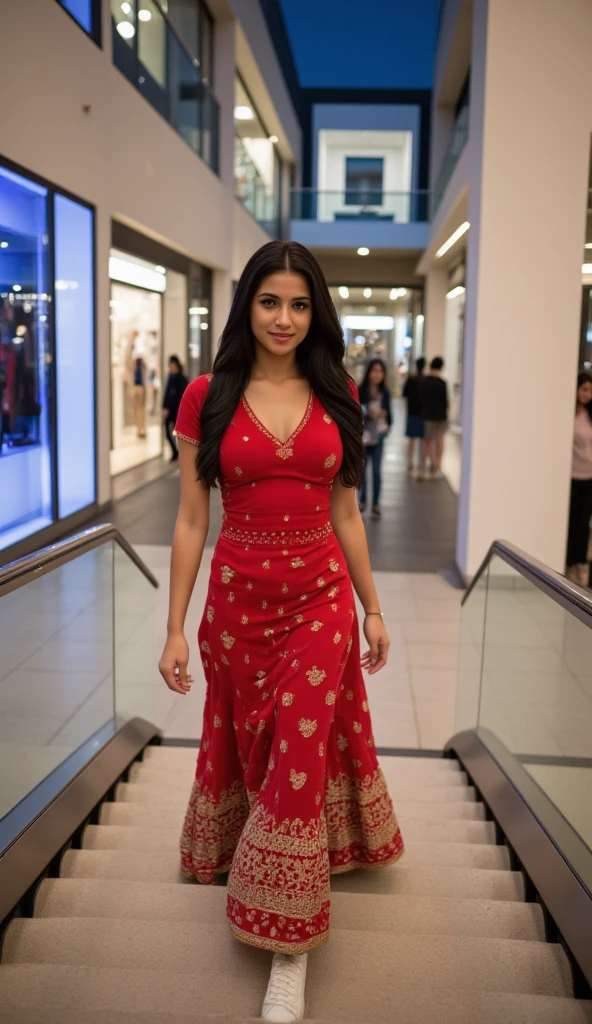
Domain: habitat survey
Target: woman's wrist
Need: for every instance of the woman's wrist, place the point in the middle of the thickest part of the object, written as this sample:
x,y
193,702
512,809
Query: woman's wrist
x,y
374,613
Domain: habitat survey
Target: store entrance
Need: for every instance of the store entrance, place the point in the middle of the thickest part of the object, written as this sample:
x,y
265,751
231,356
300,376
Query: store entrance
x,y
136,376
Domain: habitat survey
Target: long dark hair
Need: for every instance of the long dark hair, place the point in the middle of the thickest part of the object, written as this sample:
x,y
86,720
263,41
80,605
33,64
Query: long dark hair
x,y
585,377
319,356
364,391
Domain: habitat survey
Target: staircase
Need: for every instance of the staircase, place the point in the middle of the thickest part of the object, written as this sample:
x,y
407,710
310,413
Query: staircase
x,y
442,937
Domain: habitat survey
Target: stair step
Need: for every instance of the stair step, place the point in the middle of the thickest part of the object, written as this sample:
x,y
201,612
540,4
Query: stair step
x,y
414,829
475,963
152,772
187,756
82,995
114,837
165,901
416,880
424,803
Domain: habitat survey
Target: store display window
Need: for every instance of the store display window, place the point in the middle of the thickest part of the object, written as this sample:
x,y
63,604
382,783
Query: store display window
x,y
25,359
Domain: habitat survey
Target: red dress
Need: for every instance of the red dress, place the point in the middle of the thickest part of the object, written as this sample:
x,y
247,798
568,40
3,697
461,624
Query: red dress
x,y
287,787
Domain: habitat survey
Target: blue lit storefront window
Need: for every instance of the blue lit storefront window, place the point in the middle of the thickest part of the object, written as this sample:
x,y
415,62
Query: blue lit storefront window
x,y
47,406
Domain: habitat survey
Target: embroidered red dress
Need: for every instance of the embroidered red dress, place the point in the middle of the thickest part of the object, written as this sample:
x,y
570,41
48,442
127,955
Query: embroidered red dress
x,y
287,787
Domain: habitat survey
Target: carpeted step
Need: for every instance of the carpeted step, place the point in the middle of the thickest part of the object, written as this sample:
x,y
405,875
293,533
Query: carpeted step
x,y
414,829
81,995
410,879
163,901
473,963
157,840
423,803
164,791
181,757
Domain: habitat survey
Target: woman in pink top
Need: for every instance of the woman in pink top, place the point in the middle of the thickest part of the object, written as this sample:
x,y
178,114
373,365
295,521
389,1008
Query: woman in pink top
x,y
580,510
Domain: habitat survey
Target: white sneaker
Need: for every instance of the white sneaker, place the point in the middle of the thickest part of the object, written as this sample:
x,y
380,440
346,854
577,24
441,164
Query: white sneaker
x,y
284,999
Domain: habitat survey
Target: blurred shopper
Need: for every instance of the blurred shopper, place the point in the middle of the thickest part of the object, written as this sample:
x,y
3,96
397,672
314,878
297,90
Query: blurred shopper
x,y
139,396
375,399
434,410
173,393
415,429
580,509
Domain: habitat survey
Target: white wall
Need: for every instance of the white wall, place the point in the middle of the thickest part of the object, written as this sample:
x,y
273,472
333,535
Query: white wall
x,y
394,148
76,121
527,204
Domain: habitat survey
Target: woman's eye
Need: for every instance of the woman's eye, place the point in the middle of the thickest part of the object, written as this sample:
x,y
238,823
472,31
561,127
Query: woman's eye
x,y
300,305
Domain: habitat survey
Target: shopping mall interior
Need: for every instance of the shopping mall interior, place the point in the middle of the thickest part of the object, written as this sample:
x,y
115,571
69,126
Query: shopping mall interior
x,y
172,139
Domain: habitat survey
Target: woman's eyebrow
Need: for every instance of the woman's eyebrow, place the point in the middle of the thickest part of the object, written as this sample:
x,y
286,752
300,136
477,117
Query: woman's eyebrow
x,y
297,298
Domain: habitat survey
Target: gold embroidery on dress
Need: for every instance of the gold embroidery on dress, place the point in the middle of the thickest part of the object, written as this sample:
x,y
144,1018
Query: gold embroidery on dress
x,y
249,585
327,418
333,607
238,471
224,660
297,562
365,705
333,592
320,582
217,722
230,596
205,646
247,659
264,604
297,779
284,746
359,813
284,449
315,675
226,573
330,460
349,695
184,437
321,749
357,727
245,620
337,637
295,663
280,611
210,613
286,517
333,565
317,624
307,726
287,699
299,618
284,588
227,640
342,742
330,697
307,487
211,830
246,437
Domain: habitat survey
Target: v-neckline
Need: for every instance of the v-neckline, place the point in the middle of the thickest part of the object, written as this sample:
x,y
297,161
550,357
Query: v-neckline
x,y
276,440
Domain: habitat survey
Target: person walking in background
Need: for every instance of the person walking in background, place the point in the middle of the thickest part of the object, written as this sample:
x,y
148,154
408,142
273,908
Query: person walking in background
x,y
434,410
580,507
375,399
415,428
173,393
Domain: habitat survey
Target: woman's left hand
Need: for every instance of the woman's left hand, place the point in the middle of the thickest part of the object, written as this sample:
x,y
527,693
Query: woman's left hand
x,y
376,635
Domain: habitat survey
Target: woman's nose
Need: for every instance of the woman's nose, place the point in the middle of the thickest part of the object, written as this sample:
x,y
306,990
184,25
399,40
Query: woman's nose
x,y
283,316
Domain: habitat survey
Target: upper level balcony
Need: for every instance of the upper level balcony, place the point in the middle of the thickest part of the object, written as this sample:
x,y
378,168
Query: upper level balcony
x,y
352,218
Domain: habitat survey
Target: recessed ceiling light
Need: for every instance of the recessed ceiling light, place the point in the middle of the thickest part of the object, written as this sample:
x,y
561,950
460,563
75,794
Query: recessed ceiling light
x,y
3,245
126,8
454,292
194,310
460,231
367,293
588,245
363,251
587,268
394,293
243,113
144,15
402,293
159,269
343,292
126,30
16,288
204,327
274,139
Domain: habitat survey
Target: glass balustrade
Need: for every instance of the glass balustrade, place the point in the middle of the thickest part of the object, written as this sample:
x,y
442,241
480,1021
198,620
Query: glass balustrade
x,y
454,150
367,205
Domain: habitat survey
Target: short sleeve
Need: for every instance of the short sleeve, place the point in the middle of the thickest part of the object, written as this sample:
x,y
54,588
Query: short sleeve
x,y
187,425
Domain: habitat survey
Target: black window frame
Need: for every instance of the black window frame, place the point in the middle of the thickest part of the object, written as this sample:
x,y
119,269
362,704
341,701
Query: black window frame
x,y
364,197
95,33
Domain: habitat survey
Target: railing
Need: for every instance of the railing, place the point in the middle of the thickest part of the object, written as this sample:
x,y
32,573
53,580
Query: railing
x,y
352,205
252,191
78,658
155,59
525,686
458,141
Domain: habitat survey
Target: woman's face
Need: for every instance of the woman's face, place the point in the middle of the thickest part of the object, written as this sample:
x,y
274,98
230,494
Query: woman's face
x,y
281,312
585,392
376,375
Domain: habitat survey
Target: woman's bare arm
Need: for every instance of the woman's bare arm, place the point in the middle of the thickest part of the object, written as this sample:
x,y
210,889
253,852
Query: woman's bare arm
x,y
349,530
191,530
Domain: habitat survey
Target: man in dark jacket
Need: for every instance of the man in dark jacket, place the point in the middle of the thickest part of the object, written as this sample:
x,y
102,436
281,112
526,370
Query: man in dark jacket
x,y
434,409
173,393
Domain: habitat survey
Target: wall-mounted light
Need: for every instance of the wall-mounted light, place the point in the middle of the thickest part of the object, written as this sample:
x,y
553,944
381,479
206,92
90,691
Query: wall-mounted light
x,y
367,293
144,15
195,310
363,251
462,230
243,113
126,8
204,327
16,288
343,292
394,294
3,245
455,292
274,139
126,30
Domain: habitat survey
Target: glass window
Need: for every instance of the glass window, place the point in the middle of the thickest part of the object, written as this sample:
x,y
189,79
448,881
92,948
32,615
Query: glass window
x,y
152,40
124,19
85,12
200,321
256,169
363,180
75,355
25,360
206,52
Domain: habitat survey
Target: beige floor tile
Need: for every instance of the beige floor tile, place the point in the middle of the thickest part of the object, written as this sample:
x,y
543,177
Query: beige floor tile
x,y
436,656
434,684
431,632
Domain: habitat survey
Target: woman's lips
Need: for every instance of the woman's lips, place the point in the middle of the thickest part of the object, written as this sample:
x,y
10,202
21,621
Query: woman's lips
x,y
281,337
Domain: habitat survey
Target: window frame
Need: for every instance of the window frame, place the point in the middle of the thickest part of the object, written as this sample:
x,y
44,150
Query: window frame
x,y
96,32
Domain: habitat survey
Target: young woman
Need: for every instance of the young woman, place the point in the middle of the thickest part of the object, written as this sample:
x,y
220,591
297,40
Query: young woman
x,y
375,400
173,393
580,509
287,786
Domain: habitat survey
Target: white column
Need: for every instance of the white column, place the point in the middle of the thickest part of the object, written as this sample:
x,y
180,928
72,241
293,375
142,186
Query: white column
x,y
531,119
436,286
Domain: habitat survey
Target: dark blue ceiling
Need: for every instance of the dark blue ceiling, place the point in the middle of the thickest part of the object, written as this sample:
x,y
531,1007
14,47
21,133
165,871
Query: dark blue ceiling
x,y
377,44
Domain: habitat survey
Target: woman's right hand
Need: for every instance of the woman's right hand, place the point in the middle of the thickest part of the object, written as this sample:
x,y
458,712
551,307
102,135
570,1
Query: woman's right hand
x,y
173,664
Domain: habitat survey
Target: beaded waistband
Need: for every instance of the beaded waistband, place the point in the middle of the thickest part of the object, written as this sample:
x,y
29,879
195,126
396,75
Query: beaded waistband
x,y
276,538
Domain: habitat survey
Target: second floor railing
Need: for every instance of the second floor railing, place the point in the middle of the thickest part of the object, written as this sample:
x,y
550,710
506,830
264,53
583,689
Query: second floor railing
x,y
152,55
352,205
454,150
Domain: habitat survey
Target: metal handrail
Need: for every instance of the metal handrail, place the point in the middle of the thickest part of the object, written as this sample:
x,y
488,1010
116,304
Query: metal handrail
x,y
562,590
16,574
